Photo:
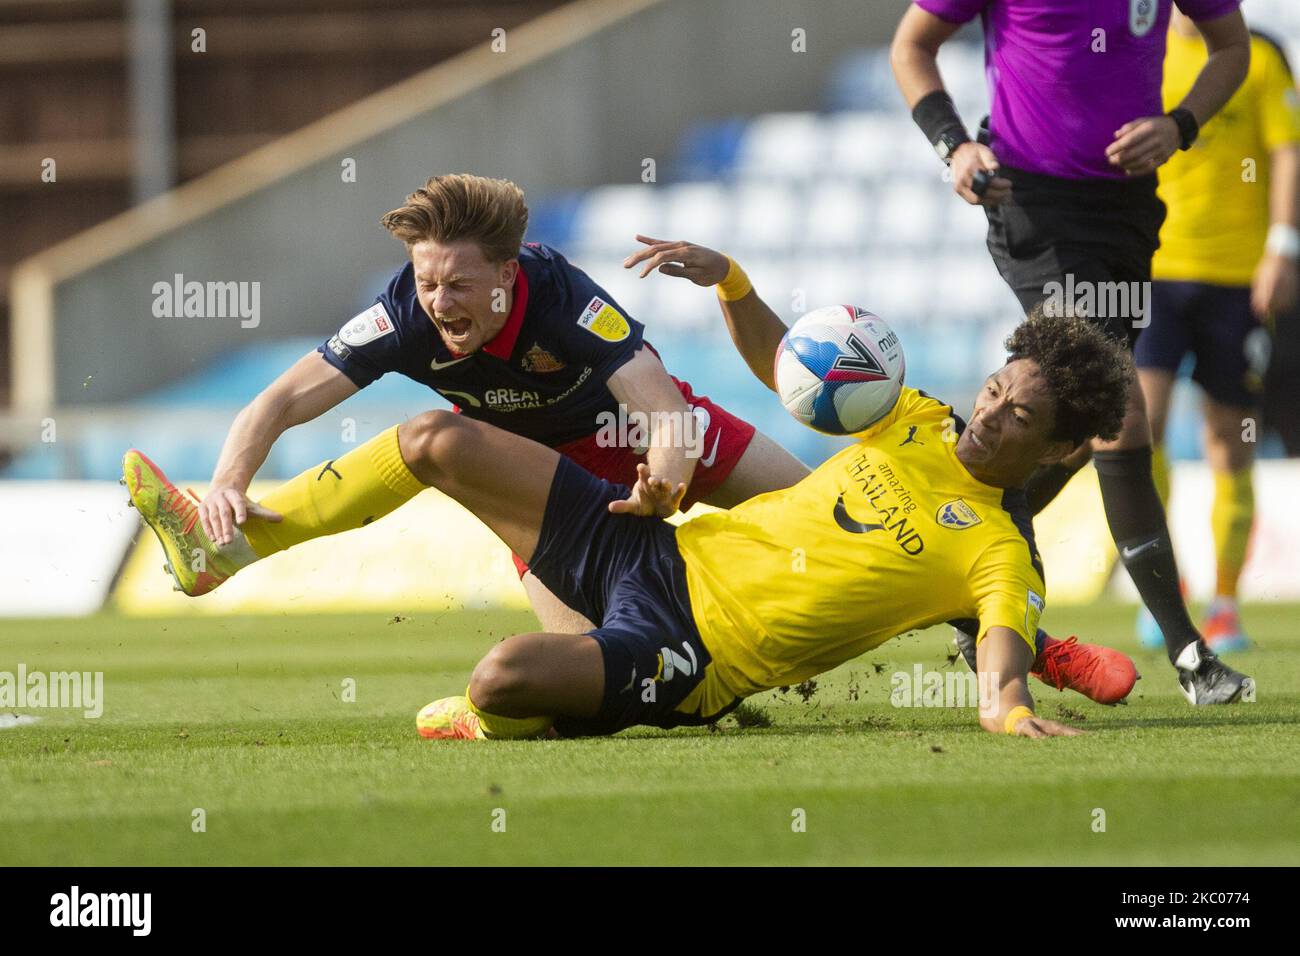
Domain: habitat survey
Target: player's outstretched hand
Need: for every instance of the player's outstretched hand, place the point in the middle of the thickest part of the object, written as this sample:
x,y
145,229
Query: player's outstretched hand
x,y
969,159
1142,146
650,496
225,508
702,266
1041,727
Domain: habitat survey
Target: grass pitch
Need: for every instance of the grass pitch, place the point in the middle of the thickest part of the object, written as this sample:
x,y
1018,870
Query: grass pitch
x,y
247,719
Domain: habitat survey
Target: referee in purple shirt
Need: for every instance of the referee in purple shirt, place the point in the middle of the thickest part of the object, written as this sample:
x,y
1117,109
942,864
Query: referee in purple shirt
x,y
1067,178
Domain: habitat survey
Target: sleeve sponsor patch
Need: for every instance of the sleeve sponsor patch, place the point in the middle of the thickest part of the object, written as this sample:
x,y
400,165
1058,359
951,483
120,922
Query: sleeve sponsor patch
x,y
1033,611
338,348
604,321
371,324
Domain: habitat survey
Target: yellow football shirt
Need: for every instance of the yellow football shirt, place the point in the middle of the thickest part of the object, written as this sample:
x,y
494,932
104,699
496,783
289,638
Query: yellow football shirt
x,y
887,536
1217,191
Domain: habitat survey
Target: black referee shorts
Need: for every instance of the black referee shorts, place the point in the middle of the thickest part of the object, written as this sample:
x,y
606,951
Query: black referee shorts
x,y
1076,236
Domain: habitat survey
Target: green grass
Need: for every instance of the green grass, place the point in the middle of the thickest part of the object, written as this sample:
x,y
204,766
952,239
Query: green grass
x,y
243,717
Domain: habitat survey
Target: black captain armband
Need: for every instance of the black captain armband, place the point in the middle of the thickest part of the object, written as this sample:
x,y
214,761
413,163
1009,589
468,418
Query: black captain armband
x,y
937,116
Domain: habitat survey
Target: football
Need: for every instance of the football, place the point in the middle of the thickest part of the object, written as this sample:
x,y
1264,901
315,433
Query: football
x,y
839,369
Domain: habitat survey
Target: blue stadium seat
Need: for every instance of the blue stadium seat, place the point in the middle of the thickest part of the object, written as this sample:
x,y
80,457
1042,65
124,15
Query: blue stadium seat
x,y
766,218
551,218
838,215
863,80
707,149
789,146
877,147
702,212
609,217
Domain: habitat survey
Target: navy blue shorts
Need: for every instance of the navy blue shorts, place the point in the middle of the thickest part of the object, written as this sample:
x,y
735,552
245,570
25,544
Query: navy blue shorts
x,y
1215,324
625,574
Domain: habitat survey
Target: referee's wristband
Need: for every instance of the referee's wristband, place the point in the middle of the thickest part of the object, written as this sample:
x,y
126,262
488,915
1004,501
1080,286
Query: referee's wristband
x,y
1283,240
1188,128
1013,718
937,116
736,285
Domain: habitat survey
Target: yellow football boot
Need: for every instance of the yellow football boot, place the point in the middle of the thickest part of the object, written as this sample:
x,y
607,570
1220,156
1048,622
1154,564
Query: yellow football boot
x,y
449,719
194,562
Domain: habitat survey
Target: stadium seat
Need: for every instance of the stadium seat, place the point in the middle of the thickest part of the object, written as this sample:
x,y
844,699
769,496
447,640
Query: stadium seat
x,y
783,146
701,212
610,216
831,280
965,226
636,296
774,278
863,80
876,146
896,288
909,211
962,66
968,288
551,219
838,215
678,306
708,149
765,218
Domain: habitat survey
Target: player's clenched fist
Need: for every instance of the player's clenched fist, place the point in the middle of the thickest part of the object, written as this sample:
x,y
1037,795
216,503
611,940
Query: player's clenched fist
x,y
225,508
972,158
677,258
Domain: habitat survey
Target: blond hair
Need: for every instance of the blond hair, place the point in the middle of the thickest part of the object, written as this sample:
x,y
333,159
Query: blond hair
x,y
458,207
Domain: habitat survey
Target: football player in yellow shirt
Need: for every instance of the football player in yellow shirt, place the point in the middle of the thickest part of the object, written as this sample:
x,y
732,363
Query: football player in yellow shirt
x,y
921,521
1227,264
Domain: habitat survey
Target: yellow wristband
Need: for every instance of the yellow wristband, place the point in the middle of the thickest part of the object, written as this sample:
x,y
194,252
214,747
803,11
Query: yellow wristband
x,y
1014,717
736,285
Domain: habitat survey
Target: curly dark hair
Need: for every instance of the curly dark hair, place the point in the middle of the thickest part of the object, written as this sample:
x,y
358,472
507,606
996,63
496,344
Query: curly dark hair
x,y
1087,371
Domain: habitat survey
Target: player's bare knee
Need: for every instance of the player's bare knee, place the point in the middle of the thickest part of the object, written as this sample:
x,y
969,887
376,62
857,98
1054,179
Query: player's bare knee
x,y
497,680
422,439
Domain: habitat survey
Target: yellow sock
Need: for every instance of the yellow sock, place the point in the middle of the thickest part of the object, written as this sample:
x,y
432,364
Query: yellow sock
x,y
1231,518
1160,473
338,495
509,728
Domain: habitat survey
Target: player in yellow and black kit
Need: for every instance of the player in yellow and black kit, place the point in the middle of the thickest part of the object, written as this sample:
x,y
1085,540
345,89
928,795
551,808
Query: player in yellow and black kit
x,y
919,522
1226,265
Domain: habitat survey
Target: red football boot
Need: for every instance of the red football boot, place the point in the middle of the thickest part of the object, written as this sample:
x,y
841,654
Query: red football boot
x,y
1101,674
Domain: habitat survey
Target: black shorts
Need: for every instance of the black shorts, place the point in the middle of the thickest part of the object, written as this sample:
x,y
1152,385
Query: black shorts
x,y
1214,324
625,574
1077,233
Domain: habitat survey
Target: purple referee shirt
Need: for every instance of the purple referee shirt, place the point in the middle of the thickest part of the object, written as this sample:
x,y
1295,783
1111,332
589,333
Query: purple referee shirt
x,y
1055,102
